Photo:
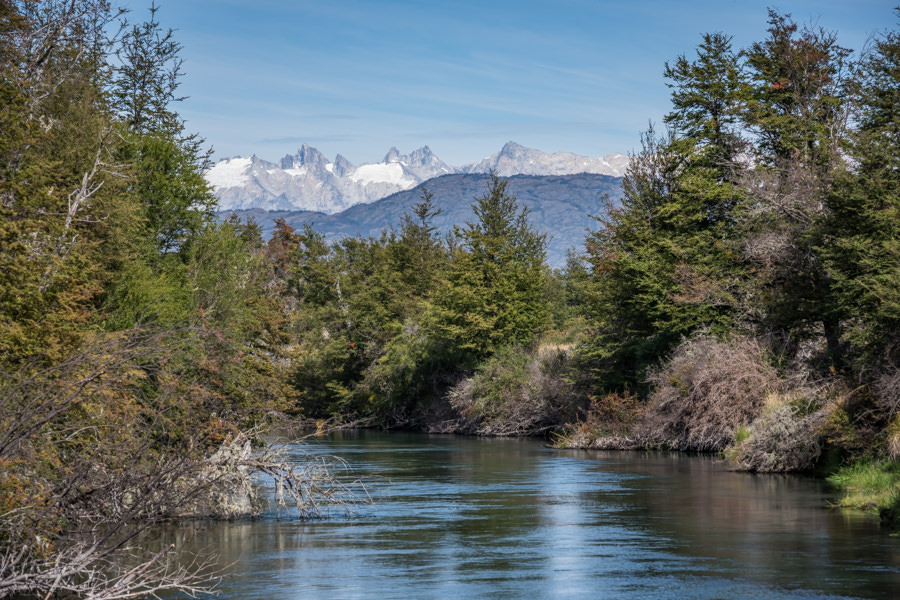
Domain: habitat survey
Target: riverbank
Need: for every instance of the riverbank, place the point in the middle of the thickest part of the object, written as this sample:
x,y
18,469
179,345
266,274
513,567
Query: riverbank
x,y
872,487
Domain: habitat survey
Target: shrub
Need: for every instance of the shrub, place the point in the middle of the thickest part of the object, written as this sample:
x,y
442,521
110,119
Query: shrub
x,y
705,392
516,393
786,437
606,424
886,390
893,439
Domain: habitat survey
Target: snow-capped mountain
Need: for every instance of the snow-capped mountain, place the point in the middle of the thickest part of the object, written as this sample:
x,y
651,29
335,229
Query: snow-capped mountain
x,y
515,159
309,181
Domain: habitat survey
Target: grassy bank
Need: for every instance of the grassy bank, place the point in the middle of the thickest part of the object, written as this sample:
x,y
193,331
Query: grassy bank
x,y
872,487
869,486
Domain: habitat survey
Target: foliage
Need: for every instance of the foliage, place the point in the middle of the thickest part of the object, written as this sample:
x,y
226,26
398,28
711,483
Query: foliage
x,y
746,280
606,423
666,261
387,324
367,343
136,336
493,293
799,113
765,217
798,104
147,76
787,436
859,242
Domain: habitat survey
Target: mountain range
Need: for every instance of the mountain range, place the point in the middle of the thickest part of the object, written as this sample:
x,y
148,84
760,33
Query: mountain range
x,y
559,205
308,181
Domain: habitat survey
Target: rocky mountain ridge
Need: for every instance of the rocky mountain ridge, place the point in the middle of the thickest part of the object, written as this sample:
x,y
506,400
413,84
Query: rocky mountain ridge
x,y
308,181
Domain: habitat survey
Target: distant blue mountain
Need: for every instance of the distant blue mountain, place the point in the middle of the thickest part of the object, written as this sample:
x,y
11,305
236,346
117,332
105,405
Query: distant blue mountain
x,y
559,205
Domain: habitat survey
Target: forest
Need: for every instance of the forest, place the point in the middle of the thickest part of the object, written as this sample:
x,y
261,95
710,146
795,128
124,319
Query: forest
x,y
743,297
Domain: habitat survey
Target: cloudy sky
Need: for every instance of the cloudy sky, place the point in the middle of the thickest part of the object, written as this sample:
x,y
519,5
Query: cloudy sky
x,y
463,77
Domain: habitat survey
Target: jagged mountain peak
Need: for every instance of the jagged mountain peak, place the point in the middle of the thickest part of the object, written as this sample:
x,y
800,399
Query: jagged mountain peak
x,y
307,155
342,166
392,156
511,148
516,159
422,156
308,181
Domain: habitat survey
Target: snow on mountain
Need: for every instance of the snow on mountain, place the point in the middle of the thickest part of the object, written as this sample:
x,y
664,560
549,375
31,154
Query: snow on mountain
x,y
421,163
514,159
230,172
392,173
309,181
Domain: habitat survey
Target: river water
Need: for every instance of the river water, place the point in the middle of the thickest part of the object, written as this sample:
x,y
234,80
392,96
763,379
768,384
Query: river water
x,y
454,517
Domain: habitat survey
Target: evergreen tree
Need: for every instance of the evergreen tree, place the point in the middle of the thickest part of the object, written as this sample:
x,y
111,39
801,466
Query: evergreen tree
x,y
167,163
419,253
134,334
707,97
147,78
56,191
495,290
631,271
860,243
798,108
666,261
799,114
176,201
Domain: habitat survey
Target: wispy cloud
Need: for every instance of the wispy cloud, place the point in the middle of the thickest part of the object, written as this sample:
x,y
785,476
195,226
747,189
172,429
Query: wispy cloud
x,y
312,139
569,74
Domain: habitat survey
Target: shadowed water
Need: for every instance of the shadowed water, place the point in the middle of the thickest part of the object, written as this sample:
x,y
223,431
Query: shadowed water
x,y
472,518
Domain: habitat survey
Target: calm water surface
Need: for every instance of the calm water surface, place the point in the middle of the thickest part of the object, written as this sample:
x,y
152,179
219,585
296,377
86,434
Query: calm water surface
x,y
459,517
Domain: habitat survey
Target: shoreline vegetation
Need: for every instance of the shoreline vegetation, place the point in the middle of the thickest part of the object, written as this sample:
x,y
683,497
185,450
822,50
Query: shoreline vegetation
x,y
743,297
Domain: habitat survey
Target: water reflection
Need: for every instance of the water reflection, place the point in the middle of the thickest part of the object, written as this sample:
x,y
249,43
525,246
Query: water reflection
x,y
458,517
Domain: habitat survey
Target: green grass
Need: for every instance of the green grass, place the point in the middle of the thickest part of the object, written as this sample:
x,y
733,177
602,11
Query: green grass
x,y
742,434
871,486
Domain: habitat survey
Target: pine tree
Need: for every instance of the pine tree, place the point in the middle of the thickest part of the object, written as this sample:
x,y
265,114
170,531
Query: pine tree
x,y
419,254
860,236
707,97
167,162
56,191
798,109
495,291
666,261
799,113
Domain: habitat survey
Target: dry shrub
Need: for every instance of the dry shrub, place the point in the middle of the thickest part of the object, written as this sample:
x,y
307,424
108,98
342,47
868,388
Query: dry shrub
x,y
706,390
606,424
893,439
515,393
616,413
788,436
877,408
886,390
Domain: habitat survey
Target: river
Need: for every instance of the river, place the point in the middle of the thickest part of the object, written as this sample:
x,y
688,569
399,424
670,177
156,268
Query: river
x,y
454,517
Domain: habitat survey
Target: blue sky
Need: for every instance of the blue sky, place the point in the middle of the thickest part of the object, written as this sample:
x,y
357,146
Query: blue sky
x,y
357,77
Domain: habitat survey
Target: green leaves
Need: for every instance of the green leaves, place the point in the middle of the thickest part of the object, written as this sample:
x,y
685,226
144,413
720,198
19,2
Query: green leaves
x,y
387,324
859,237
800,92
494,294
707,98
168,183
